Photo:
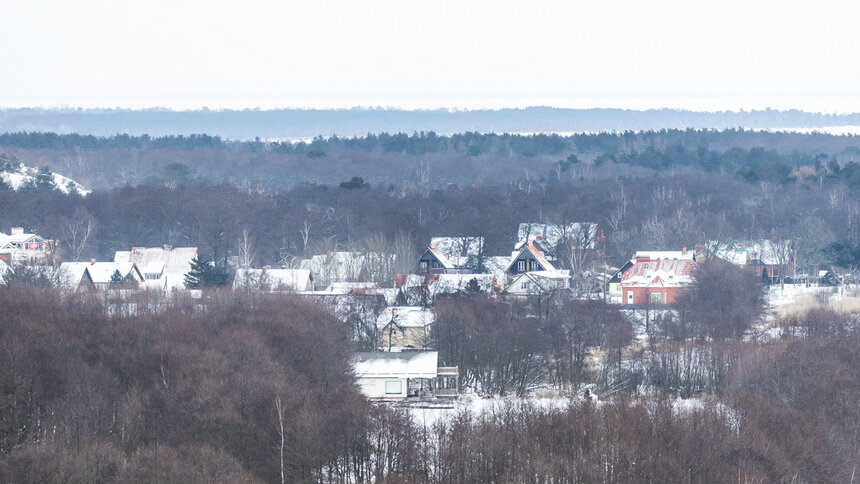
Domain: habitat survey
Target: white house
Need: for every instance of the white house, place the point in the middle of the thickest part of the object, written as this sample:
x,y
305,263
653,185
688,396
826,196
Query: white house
x,y
21,247
163,268
538,282
384,375
96,275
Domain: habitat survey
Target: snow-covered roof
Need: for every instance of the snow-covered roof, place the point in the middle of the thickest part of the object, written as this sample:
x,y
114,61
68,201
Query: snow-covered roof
x,y
440,257
174,259
543,280
665,254
271,279
743,252
458,250
18,237
71,273
406,364
406,317
101,272
347,287
662,272
498,266
172,263
549,235
453,283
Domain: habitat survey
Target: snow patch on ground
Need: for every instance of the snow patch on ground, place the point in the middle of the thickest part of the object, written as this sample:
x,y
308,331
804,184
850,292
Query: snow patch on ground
x,y
26,174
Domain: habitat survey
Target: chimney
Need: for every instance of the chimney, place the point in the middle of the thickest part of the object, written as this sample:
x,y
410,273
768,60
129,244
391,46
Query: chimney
x,y
168,247
92,261
266,269
17,231
684,251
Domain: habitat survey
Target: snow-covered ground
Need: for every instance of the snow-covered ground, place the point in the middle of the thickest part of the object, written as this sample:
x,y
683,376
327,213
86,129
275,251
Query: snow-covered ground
x,y
26,174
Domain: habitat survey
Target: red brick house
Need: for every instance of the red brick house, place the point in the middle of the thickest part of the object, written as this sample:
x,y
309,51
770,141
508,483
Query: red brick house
x,y
656,280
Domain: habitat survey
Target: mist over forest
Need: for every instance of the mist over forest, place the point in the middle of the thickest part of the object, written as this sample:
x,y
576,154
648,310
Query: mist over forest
x,y
308,123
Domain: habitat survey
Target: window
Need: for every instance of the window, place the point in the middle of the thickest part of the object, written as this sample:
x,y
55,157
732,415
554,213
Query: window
x,y
630,297
521,266
656,298
525,285
394,387
152,277
423,265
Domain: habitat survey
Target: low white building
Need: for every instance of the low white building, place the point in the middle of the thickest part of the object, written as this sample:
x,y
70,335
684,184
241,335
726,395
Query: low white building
x,y
388,375
268,279
97,275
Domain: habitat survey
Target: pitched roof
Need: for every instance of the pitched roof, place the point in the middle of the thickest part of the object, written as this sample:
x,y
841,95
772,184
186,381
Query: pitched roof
x,y
406,364
71,274
659,273
458,250
102,272
172,263
536,252
544,280
296,279
174,260
406,317
763,251
439,256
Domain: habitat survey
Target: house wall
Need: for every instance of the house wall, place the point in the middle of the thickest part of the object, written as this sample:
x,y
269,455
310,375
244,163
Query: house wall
x,y
529,263
375,387
643,295
405,337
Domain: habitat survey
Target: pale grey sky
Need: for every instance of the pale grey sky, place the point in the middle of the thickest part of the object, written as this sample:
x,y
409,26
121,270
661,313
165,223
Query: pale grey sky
x,y
634,54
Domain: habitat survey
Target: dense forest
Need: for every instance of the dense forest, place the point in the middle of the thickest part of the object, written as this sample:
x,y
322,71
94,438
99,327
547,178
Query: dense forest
x,y
238,388
817,206
422,158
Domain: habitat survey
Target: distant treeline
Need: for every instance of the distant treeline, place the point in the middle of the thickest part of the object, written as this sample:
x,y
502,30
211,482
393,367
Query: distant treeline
x,y
470,143
307,123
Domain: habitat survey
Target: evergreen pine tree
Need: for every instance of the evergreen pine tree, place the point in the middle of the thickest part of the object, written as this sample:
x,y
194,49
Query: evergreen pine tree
x,y
204,273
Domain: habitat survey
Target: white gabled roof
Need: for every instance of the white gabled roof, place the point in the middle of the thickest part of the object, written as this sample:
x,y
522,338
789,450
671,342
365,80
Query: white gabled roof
x,y
665,255
406,317
272,279
458,250
71,274
454,283
101,272
659,273
440,257
406,364
742,252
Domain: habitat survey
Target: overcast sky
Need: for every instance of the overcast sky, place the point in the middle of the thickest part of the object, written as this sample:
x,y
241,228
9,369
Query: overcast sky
x,y
637,54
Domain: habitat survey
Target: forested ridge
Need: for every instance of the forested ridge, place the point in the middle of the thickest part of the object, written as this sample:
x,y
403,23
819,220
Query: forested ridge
x,y
422,157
